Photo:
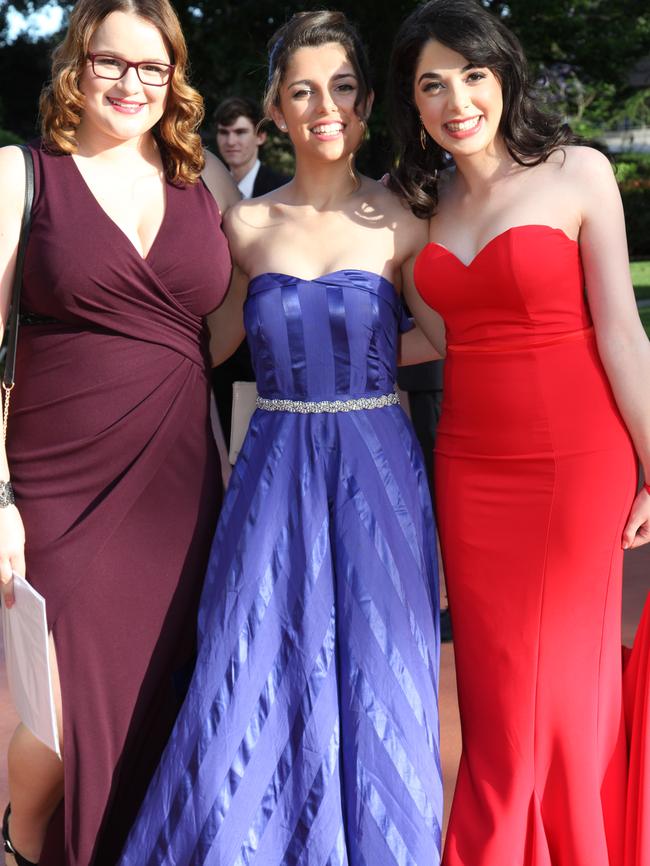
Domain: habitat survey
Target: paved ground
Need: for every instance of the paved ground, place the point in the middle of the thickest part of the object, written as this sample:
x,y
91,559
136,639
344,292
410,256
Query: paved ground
x,y
636,588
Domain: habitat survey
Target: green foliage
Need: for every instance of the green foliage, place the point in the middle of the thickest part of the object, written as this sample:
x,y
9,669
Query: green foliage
x,y
599,38
645,319
7,137
630,167
635,110
640,160
625,171
27,62
636,202
640,272
595,42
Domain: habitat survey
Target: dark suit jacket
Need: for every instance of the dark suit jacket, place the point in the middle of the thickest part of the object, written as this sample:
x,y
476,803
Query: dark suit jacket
x,y
267,180
238,368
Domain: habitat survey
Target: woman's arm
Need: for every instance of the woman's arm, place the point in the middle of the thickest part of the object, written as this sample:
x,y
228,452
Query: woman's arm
x,y
415,348
427,341
12,183
622,343
220,183
226,323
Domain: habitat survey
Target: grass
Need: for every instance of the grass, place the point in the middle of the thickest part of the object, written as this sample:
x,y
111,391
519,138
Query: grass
x,y
641,279
645,318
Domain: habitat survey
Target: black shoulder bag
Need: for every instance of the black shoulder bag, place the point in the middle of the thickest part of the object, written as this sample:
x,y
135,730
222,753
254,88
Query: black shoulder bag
x,y
12,325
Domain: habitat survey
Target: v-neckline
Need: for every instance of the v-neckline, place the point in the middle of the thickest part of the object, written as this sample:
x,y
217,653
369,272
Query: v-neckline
x,y
111,221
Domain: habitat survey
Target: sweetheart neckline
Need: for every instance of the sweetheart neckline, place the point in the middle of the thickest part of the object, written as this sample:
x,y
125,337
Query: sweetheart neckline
x,y
322,276
496,238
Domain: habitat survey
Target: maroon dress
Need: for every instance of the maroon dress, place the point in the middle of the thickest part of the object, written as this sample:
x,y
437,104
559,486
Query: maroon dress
x,y
117,481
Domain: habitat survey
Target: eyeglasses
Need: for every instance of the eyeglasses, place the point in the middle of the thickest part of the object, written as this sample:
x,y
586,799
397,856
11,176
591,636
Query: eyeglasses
x,y
148,71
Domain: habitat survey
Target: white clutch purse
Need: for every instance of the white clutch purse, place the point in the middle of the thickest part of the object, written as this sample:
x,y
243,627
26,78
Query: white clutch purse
x,y
27,659
244,395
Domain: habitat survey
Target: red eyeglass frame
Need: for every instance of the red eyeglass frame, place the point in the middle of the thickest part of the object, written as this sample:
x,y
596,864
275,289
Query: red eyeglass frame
x,y
130,64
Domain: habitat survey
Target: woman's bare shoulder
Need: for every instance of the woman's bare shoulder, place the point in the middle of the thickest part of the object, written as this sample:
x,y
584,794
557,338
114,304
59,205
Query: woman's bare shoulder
x,y
581,161
251,214
12,181
392,205
219,181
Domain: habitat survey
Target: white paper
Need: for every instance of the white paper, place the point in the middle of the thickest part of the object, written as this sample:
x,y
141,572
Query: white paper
x,y
28,670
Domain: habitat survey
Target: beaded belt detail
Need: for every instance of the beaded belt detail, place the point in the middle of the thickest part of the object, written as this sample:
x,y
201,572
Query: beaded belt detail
x,y
307,407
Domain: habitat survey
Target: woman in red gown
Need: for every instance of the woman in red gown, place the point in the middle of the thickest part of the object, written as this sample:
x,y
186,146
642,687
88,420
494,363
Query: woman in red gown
x,y
545,412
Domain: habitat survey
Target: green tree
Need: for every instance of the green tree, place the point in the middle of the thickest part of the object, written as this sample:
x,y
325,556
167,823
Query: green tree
x,y
585,49
597,42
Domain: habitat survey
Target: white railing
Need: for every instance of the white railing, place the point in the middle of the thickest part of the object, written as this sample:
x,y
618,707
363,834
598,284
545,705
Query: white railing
x,y
635,140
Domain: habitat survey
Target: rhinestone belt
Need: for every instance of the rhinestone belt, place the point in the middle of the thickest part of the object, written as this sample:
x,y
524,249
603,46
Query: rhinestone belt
x,y
307,407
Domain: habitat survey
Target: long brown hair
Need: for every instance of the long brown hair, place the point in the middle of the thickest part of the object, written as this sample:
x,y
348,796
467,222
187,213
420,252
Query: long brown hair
x,y
530,133
62,102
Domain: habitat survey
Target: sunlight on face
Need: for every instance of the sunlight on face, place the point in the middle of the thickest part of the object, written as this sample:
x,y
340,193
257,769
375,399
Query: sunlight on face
x,y
125,108
459,103
317,102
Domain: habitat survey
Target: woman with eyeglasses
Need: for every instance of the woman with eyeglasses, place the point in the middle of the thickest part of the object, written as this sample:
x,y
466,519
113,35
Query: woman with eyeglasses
x,y
110,455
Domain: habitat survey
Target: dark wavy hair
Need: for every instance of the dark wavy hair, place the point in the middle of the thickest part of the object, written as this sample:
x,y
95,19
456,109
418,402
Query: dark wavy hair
x,y
62,102
234,107
309,30
530,134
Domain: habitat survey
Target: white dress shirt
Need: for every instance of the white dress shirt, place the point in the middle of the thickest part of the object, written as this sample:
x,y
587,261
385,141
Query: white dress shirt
x,y
247,182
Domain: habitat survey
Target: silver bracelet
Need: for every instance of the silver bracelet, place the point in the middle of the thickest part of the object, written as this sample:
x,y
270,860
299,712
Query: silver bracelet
x,y
6,494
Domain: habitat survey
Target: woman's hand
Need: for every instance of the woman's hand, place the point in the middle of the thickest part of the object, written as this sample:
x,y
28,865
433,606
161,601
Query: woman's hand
x,y
637,530
12,551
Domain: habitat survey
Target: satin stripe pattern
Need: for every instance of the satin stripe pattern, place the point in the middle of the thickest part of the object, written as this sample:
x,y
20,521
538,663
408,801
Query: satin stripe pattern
x,y
310,734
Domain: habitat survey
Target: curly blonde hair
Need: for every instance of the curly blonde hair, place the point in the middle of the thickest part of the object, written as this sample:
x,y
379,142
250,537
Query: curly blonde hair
x,y
62,102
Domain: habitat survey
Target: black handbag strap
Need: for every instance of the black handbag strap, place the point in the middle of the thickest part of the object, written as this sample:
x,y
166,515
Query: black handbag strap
x,y
12,325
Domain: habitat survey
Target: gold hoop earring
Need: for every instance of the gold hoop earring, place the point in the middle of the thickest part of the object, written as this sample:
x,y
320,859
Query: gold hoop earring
x,y
423,136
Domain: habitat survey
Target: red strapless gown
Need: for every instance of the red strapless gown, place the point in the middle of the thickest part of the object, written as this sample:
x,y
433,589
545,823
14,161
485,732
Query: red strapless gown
x,y
535,474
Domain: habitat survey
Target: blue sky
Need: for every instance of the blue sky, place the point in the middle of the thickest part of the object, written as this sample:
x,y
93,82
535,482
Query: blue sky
x,y
46,20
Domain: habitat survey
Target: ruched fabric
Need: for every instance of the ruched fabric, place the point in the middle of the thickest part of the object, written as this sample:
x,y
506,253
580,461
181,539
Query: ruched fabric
x,y
117,481
535,475
309,734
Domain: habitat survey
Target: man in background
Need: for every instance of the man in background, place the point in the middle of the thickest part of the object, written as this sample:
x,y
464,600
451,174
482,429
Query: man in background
x,y
239,141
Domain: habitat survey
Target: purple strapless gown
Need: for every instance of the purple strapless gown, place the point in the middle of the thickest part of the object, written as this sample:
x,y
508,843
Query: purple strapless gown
x,y
309,735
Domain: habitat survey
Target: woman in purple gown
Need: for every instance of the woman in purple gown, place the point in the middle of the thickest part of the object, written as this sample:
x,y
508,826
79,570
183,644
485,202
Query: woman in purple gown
x,y
309,734
114,468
